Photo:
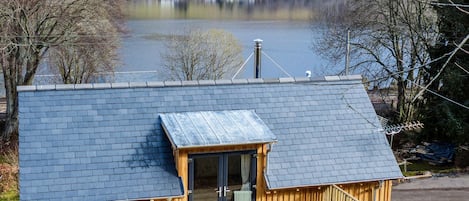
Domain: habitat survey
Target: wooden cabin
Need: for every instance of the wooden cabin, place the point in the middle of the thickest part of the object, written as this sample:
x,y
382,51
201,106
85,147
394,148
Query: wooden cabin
x,y
226,140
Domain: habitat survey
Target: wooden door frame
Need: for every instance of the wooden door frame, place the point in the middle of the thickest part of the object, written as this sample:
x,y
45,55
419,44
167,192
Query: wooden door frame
x,y
222,168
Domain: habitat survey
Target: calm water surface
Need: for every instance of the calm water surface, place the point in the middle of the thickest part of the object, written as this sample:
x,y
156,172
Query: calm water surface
x,y
286,31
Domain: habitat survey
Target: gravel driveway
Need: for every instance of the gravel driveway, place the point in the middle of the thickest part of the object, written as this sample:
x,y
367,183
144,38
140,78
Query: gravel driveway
x,y
430,195
433,189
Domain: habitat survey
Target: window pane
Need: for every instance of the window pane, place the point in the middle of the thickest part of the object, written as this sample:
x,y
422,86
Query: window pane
x,y
205,179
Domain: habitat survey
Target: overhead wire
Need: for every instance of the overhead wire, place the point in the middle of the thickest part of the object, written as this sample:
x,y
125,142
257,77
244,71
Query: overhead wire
x,y
459,7
349,105
276,64
242,66
450,4
396,73
411,69
464,50
451,54
461,67
443,67
423,88
439,95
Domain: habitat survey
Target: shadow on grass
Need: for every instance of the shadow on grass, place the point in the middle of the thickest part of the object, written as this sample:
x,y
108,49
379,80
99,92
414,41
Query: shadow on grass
x,y
421,167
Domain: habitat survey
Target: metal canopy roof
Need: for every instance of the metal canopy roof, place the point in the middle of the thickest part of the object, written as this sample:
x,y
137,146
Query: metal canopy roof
x,y
215,128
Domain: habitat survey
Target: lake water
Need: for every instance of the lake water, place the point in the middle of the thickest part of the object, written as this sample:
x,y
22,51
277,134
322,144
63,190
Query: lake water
x,y
285,29
284,26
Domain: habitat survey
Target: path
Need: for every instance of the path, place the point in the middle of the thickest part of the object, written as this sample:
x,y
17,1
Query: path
x,y
433,189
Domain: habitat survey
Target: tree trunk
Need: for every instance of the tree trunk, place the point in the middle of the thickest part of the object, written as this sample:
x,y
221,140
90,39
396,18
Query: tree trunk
x,y
11,123
9,74
401,99
29,28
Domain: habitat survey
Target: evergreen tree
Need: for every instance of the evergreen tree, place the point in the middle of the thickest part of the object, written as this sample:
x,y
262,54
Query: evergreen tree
x,y
446,121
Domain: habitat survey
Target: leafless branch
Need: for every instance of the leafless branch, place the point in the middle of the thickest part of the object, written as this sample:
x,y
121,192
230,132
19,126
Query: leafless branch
x,y
459,7
30,28
443,67
198,55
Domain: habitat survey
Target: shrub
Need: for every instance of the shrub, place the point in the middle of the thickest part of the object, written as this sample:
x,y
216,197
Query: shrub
x,y
9,174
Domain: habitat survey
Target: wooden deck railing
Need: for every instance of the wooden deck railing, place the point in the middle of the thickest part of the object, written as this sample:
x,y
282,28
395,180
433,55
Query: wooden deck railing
x,y
335,193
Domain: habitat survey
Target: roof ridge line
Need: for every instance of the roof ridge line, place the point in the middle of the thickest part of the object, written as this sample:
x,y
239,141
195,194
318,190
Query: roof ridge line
x,y
156,84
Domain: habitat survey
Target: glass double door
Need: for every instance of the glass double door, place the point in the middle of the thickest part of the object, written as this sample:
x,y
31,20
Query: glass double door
x,y
222,176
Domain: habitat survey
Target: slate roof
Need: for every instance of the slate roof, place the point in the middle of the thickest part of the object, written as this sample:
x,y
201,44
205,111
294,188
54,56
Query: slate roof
x,y
106,142
215,128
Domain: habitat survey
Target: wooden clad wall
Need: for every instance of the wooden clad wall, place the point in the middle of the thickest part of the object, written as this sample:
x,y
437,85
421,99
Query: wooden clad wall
x,y
364,191
310,194
361,191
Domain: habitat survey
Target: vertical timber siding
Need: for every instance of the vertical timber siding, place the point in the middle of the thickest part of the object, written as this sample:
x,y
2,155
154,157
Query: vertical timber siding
x,y
294,195
364,191
335,193
361,191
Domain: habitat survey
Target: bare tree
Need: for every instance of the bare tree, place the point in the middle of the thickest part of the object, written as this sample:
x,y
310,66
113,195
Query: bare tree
x,y
93,55
29,28
199,55
77,64
389,40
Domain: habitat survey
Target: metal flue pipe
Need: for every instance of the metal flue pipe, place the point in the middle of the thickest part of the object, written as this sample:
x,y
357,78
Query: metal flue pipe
x,y
257,59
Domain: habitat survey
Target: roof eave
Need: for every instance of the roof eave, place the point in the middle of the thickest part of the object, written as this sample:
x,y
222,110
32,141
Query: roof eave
x,y
338,183
166,197
225,145
154,198
175,147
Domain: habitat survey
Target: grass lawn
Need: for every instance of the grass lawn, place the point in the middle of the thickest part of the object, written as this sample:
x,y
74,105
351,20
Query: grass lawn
x,y
9,172
420,167
9,196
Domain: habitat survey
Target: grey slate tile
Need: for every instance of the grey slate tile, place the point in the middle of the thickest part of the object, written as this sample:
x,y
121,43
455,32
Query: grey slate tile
x,y
332,78
22,88
350,77
101,85
97,134
240,81
83,86
223,82
255,80
45,87
138,84
190,83
302,79
172,83
155,84
120,85
206,82
271,80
